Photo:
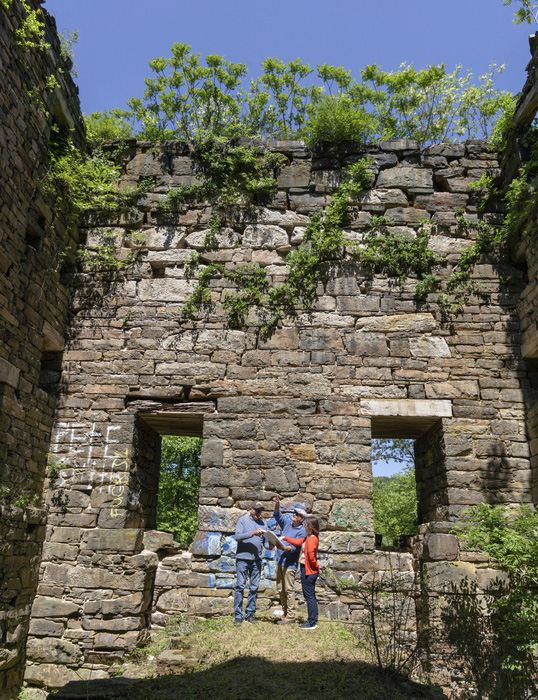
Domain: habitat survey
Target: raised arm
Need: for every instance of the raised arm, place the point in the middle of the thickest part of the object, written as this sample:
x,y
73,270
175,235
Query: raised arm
x,y
277,515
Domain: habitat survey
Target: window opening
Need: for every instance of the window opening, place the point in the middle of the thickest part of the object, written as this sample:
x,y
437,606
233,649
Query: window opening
x,y
179,487
394,491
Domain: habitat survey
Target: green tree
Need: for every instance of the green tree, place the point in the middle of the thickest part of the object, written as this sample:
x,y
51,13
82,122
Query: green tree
x,y
179,485
188,96
108,125
395,497
526,13
510,538
396,449
395,505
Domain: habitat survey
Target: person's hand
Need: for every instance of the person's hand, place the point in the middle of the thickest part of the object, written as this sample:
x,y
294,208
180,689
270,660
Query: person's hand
x,y
277,500
258,531
288,548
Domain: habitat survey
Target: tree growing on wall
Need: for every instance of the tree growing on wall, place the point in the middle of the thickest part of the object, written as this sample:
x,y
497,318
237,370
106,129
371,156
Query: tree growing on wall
x,y
179,485
508,628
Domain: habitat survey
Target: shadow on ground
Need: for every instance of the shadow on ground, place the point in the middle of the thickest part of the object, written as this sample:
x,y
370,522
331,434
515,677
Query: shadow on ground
x,y
251,677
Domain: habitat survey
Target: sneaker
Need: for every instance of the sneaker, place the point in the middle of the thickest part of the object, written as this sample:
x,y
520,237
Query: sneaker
x,y
238,621
252,620
285,620
307,626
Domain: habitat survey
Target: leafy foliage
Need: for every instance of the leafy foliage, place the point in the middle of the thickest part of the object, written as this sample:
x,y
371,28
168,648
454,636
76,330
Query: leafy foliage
x,y
188,97
387,249
395,505
323,243
526,13
107,125
395,497
179,484
396,449
510,538
460,286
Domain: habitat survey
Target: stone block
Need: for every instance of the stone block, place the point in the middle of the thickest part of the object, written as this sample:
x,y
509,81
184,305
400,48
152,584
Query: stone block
x,y
9,374
367,344
126,540
404,324
439,547
65,575
45,628
295,175
56,676
225,238
53,651
386,198
133,604
155,540
214,518
406,178
222,565
53,607
429,347
207,544
212,453
352,542
164,290
67,535
114,625
209,606
448,577
229,545
164,237
348,514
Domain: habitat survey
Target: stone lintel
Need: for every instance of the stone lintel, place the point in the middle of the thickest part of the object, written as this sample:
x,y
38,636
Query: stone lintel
x,y
52,340
404,418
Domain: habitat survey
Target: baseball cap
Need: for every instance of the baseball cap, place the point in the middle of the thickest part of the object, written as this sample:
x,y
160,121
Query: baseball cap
x,y
300,511
257,505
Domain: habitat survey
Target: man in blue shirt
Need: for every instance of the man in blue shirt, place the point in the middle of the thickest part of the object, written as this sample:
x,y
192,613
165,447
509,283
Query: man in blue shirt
x,y
292,526
248,561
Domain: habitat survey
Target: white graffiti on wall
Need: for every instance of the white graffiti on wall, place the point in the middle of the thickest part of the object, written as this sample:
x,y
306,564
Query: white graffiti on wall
x,y
92,469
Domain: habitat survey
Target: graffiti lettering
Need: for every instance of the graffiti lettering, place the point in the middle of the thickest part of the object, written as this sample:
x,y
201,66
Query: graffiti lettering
x,y
120,480
351,517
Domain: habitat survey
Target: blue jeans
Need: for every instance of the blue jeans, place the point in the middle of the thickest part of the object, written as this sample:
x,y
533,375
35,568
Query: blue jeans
x,y
309,592
252,569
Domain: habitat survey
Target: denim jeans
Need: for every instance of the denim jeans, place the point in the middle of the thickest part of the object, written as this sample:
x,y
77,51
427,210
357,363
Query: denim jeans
x,y
246,569
309,592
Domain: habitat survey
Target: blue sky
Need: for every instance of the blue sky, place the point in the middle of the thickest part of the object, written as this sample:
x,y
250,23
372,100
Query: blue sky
x,y
118,37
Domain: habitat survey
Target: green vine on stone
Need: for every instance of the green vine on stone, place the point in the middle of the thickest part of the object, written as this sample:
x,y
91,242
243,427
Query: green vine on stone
x,y
389,250
324,242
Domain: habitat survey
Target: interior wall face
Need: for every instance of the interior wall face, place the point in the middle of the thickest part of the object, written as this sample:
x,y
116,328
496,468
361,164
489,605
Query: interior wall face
x,y
290,415
33,309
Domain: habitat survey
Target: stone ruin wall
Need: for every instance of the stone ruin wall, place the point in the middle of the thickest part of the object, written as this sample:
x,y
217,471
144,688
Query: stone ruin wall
x,y
292,415
33,307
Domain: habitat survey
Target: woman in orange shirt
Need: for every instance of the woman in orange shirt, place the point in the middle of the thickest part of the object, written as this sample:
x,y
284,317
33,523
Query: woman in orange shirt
x,y
309,568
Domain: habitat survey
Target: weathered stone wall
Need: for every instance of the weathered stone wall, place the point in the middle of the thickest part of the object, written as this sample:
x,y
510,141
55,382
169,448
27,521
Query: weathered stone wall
x,y
292,415
33,308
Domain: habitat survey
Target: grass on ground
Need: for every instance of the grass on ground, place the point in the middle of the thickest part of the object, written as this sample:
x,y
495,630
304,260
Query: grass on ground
x,y
264,661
